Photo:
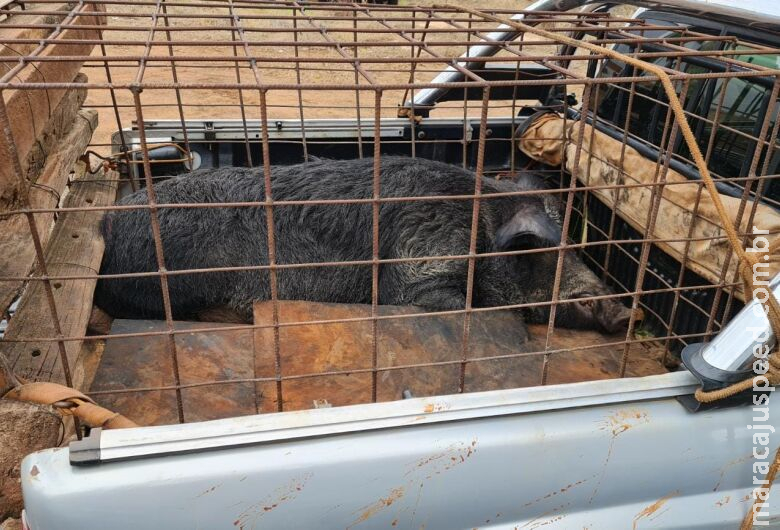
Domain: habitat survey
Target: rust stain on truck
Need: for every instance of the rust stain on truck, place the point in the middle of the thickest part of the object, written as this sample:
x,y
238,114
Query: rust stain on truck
x,y
376,507
271,501
556,492
623,420
653,508
453,455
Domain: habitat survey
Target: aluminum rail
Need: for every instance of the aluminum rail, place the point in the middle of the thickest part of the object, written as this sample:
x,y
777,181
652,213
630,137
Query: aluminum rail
x,y
758,14
103,446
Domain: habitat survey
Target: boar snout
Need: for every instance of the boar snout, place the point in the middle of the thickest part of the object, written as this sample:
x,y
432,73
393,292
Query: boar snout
x,y
612,316
608,315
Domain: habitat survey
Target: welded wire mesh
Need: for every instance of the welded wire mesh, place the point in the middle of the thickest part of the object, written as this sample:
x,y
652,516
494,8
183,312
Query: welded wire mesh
x,y
256,83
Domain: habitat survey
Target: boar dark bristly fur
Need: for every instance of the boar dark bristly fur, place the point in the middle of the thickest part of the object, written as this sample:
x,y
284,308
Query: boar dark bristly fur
x,y
199,238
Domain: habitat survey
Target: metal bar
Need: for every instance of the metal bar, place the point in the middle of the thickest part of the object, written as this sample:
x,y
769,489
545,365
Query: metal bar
x,y
351,263
313,202
354,43
134,443
564,233
242,105
661,174
139,77
175,77
384,369
375,192
351,86
269,217
158,250
246,327
473,235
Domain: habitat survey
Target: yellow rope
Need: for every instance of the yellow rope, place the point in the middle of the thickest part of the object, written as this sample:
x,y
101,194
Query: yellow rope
x,y
69,401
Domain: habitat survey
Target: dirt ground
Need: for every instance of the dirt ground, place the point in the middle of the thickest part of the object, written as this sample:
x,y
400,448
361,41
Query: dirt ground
x,y
35,427
208,37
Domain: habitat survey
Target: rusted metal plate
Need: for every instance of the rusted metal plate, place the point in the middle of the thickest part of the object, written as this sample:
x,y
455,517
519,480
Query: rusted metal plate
x,y
143,362
588,363
321,348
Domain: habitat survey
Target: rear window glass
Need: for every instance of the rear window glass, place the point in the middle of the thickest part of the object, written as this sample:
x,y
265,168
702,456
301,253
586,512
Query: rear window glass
x,y
739,104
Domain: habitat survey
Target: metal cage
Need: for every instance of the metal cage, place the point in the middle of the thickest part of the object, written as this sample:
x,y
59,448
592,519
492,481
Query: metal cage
x,y
179,84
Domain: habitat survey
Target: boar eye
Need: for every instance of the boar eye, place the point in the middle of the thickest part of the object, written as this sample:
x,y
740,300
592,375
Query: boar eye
x,y
588,302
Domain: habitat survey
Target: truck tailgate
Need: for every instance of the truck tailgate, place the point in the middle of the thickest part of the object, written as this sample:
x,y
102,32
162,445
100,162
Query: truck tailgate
x,y
588,455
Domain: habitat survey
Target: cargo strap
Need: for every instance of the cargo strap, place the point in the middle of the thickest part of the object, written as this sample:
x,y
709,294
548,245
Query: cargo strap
x,y
70,402
747,261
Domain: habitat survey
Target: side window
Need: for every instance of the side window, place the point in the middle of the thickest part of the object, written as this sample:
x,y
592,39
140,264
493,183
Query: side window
x,y
742,102
650,104
741,112
647,117
743,105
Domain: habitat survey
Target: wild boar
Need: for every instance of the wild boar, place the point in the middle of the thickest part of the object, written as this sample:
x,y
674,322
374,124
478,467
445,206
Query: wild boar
x,y
201,238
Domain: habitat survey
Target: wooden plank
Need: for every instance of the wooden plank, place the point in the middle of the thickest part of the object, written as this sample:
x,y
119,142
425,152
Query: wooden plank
x,y
17,254
30,110
75,247
7,378
60,124
28,17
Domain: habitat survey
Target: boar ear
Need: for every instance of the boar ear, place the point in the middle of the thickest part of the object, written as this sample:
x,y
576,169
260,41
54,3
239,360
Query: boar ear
x,y
552,201
529,228
527,181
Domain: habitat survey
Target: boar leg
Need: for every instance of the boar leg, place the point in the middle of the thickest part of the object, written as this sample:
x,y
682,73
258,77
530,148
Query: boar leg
x,y
447,299
437,285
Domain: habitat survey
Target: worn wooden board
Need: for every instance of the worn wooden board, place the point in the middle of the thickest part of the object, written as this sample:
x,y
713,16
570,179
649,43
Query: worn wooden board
x,y
32,18
17,253
144,362
75,247
30,111
66,117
